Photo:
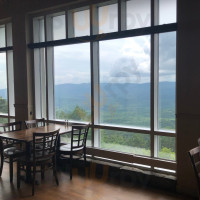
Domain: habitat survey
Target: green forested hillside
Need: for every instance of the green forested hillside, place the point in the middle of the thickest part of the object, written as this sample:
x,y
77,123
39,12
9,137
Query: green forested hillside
x,y
122,104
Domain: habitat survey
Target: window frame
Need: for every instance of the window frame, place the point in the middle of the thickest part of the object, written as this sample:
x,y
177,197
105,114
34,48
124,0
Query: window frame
x,y
94,39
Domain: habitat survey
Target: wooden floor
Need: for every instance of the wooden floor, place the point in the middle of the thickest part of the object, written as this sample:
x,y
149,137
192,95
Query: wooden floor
x,y
80,188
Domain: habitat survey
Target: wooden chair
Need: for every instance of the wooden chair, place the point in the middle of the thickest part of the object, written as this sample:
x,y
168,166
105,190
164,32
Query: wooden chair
x,y
34,123
195,159
40,156
77,147
9,149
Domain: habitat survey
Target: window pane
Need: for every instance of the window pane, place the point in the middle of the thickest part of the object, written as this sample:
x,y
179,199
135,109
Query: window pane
x,y
166,147
82,23
108,18
11,91
125,82
38,25
72,82
59,30
3,84
40,82
138,14
2,36
3,120
167,11
133,143
167,81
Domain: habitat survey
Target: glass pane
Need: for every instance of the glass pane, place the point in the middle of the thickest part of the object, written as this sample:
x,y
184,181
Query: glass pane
x,y
72,82
125,82
3,84
138,14
38,26
9,34
59,28
167,11
167,81
2,36
11,90
108,18
40,82
82,23
133,143
3,120
166,147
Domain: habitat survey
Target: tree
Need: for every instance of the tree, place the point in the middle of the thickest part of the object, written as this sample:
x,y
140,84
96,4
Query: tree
x,y
78,114
3,105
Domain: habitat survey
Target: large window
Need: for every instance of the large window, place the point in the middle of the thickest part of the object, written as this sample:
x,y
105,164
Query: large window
x,y
112,64
6,73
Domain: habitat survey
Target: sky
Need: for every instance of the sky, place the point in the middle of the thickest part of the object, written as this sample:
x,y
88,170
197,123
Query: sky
x,y
121,60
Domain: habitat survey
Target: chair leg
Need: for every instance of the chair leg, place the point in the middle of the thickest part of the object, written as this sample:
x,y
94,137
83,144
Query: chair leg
x,y
18,174
55,171
1,167
71,166
11,169
84,151
42,172
33,183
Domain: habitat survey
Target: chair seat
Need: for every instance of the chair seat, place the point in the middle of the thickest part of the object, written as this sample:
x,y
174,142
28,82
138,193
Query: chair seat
x,y
12,151
67,148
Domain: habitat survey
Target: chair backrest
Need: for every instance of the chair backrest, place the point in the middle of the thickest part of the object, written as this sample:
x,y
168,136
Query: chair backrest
x,y
34,123
12,126
44,145
7,127
195,159
79,136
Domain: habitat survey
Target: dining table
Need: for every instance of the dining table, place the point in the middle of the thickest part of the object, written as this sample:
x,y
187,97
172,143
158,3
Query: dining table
x,y
26,136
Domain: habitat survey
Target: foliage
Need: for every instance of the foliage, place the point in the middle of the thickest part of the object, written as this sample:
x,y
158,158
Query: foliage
x,y
3,105
126,105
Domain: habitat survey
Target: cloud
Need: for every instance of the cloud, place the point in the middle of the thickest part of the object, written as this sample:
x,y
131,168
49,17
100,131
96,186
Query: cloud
x,y
72,64
121,60
127,60
167,56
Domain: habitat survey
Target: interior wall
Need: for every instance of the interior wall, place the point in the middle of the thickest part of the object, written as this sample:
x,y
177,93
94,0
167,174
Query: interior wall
x,y
188,71
188,93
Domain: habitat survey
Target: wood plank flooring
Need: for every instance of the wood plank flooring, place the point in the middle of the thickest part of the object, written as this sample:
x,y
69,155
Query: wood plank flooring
x,y
80,188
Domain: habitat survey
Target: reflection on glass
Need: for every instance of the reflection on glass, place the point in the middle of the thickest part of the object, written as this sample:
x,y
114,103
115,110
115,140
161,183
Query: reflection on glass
x,y
72,82
3,84
2,36
166,147
138,14
108,18
133,143
125,82
167,11
81,23
167,81
59,30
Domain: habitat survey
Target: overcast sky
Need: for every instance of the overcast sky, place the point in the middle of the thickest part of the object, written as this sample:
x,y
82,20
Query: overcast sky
x,y
122,60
